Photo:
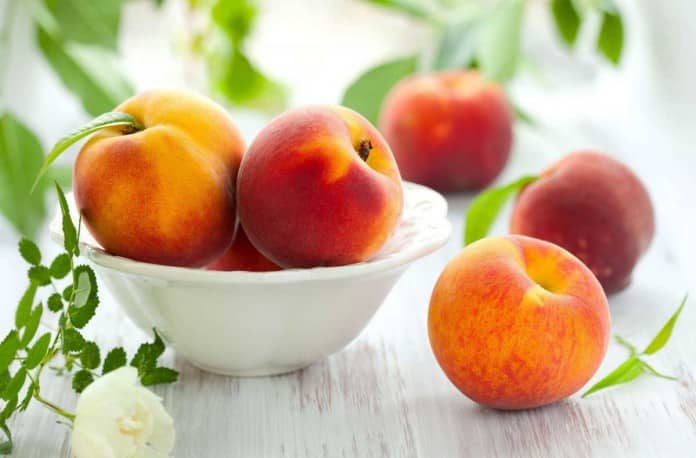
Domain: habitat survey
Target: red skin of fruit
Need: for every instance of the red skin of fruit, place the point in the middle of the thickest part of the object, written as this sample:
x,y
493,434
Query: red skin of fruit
x,y
243,256
307,198
165,194
518,323
596,208
451,131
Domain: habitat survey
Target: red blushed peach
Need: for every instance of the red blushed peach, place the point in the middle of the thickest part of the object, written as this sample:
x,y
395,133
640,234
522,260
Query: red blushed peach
x,y
451,131
163,194
243,256
517,323
319,187
596,208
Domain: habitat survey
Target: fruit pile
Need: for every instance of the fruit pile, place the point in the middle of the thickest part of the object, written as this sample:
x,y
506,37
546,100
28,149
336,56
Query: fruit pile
x,y
515,322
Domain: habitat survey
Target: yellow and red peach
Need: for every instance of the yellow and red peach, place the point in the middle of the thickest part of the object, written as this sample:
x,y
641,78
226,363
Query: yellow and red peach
x,y
319,187
517,322
164,194
596,208
242,255
451,131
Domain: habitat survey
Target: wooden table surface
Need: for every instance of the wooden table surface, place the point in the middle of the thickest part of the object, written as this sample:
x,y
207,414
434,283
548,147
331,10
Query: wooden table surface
x,y
385,396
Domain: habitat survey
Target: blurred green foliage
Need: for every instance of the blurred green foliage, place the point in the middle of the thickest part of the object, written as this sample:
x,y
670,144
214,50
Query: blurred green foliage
x,y
486,36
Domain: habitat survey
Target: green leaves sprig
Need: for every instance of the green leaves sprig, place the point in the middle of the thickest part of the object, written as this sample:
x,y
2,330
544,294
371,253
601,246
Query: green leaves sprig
x,y
635,365
25,353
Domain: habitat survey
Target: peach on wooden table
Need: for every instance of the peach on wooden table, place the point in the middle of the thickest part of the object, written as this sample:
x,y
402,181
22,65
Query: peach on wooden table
x,y
319,187
517,322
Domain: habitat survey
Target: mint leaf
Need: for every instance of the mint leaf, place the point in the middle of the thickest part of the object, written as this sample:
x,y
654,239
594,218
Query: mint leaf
x,y
611,36
54,303
38,351
8,349
73,342
89,356
20,158
70,241
60,267
86,299
629,370
32,326
366,94
159,375
40,275
486,206
567,19
24,308
145,359
30,252
81,380
68,293
15,385
114,359
111,119
662,337
499,39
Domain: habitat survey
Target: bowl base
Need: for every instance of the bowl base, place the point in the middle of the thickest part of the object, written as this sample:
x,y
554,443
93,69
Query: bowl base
x,y
253,372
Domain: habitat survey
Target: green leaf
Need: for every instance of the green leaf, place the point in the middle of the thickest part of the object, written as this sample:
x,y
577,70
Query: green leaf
x,y
30,252
87,21
60,267
145,359
8,349
114,359
81,380
235,18
32,326
86,297
485,208
89,356
21,155
236,79
498,51
6,446
9,409
456,48
4,380
415,8
70,241
25,304
54,303
662,337
68,293
629,370
611,36
40,275
73,342
61,174
27,397
159,375
651,370
111,119
38,351
567,19
628,345
366,94
91,72
16,383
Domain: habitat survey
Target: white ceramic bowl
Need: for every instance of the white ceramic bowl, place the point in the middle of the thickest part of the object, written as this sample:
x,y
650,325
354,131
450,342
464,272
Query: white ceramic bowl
x,y
261,323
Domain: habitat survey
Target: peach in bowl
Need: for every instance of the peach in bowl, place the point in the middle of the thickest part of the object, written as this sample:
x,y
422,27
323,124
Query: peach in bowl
x,y
262,323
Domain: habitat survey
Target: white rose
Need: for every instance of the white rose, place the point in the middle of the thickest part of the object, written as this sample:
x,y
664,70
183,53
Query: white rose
x,y
118,418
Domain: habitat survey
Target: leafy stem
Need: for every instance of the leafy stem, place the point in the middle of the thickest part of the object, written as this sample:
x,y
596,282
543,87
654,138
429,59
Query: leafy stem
x,y
635,365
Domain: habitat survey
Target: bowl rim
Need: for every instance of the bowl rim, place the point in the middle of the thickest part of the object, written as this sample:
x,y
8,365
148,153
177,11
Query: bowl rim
x,y
440,227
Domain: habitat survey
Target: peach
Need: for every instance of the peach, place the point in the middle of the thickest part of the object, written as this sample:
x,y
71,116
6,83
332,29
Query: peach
x,y
242,255
517,323
451,131
164,194
319,187
596,208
